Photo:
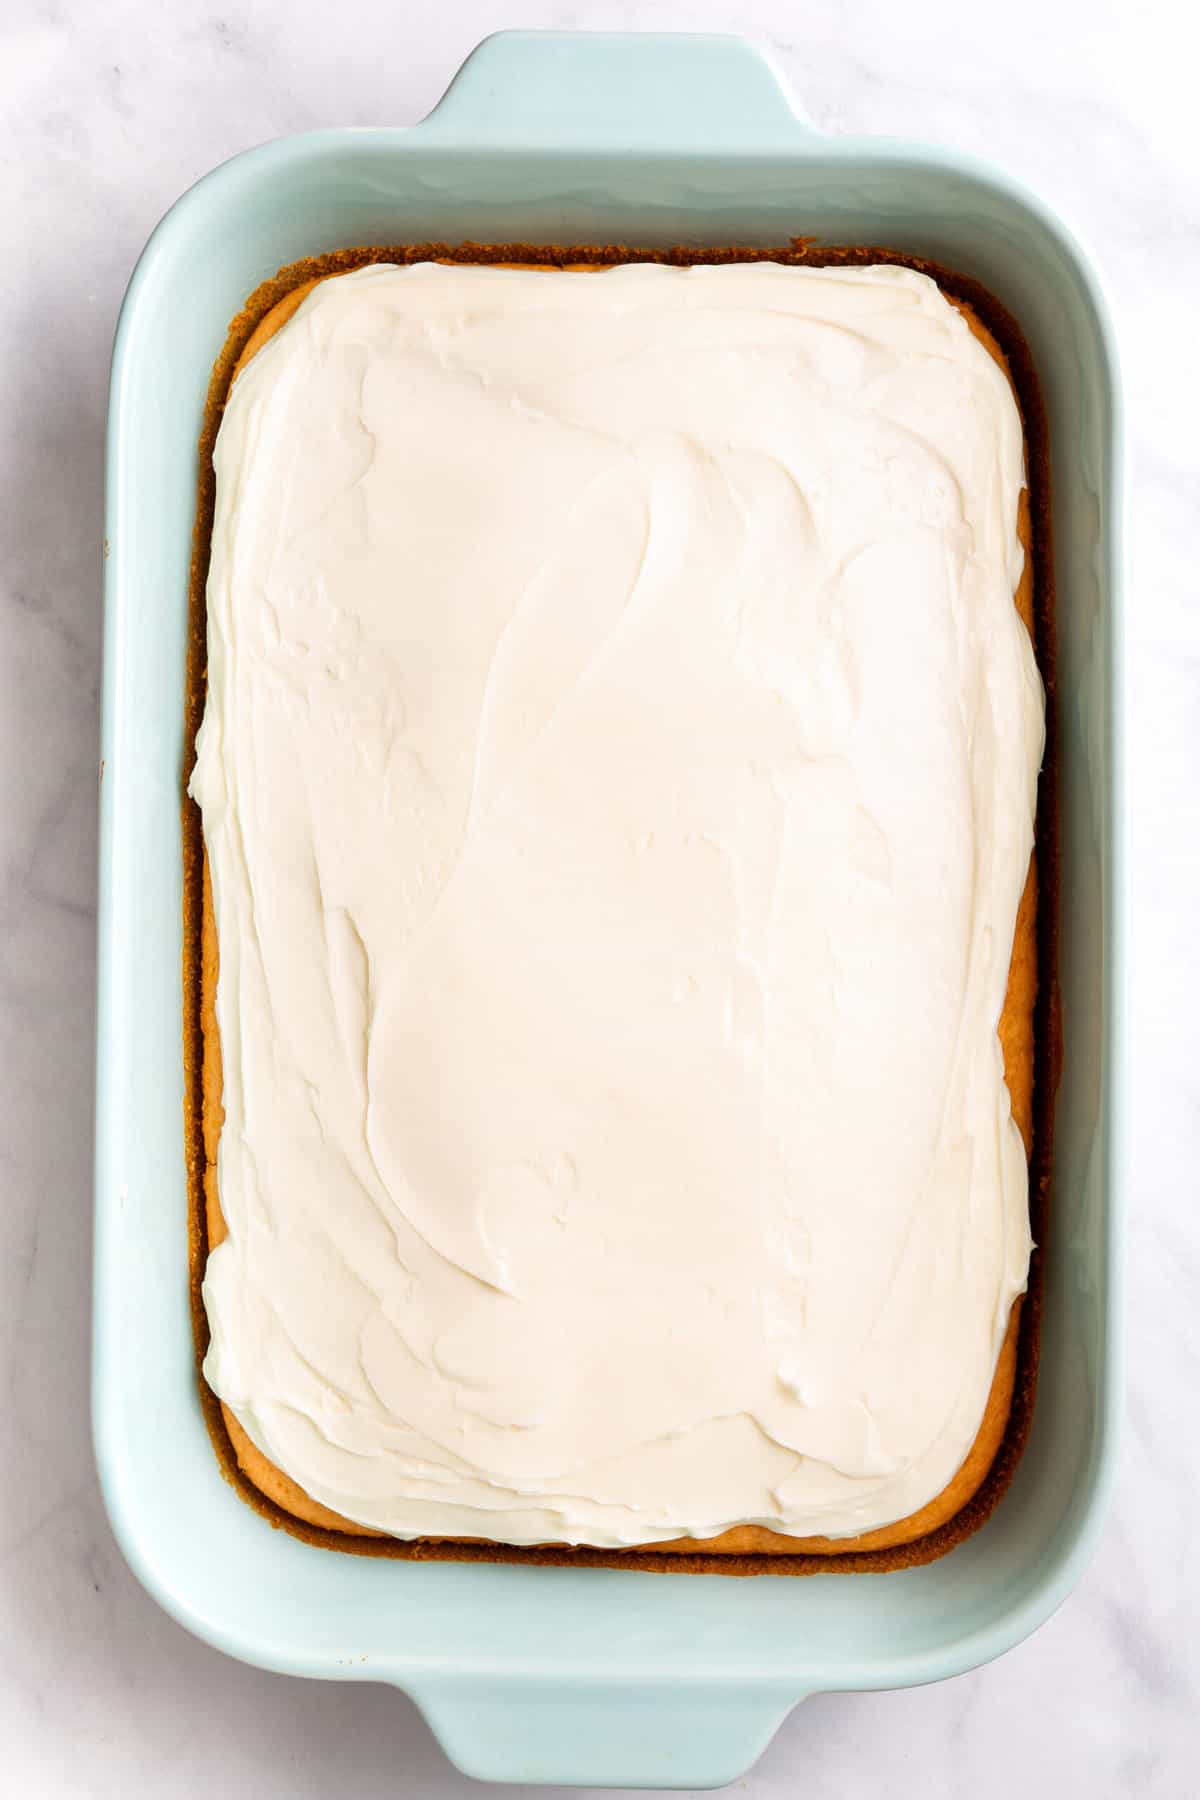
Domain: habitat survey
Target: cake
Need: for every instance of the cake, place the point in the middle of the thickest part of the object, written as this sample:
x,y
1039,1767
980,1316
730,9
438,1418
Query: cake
x,y
617,946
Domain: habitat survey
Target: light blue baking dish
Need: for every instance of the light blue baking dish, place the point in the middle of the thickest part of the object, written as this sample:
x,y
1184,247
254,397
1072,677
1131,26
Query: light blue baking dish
x,y
546,1674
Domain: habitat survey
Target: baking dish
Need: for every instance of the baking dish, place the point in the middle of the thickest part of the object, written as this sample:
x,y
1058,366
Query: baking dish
x,y
602,1677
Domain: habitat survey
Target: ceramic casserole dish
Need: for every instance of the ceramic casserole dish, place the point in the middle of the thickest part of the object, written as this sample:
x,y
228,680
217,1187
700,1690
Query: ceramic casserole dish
x,y
596,1676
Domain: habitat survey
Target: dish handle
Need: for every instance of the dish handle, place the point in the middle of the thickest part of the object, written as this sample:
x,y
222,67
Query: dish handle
x,y
689,93
600,1733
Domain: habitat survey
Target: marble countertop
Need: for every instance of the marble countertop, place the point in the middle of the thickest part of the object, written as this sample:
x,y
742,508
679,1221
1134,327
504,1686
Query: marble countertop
x,y
109,113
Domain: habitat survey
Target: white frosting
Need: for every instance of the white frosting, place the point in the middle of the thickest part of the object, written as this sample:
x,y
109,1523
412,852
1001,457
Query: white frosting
x,y
618,781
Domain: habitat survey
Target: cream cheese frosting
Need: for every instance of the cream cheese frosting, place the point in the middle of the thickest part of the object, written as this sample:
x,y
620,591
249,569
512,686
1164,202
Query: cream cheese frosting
x,y
618,778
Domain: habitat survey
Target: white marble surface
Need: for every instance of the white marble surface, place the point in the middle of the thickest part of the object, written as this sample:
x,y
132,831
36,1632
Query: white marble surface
x,y
108,112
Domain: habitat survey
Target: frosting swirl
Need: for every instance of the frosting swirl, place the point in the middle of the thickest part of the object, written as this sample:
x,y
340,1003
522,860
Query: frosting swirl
x,y
618,779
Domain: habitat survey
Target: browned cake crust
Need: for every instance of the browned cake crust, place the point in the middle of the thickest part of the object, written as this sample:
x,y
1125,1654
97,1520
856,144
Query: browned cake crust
x,y
1028,1024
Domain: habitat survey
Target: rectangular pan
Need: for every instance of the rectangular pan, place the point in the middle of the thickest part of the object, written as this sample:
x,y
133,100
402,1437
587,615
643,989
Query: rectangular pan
x,y
592,1676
